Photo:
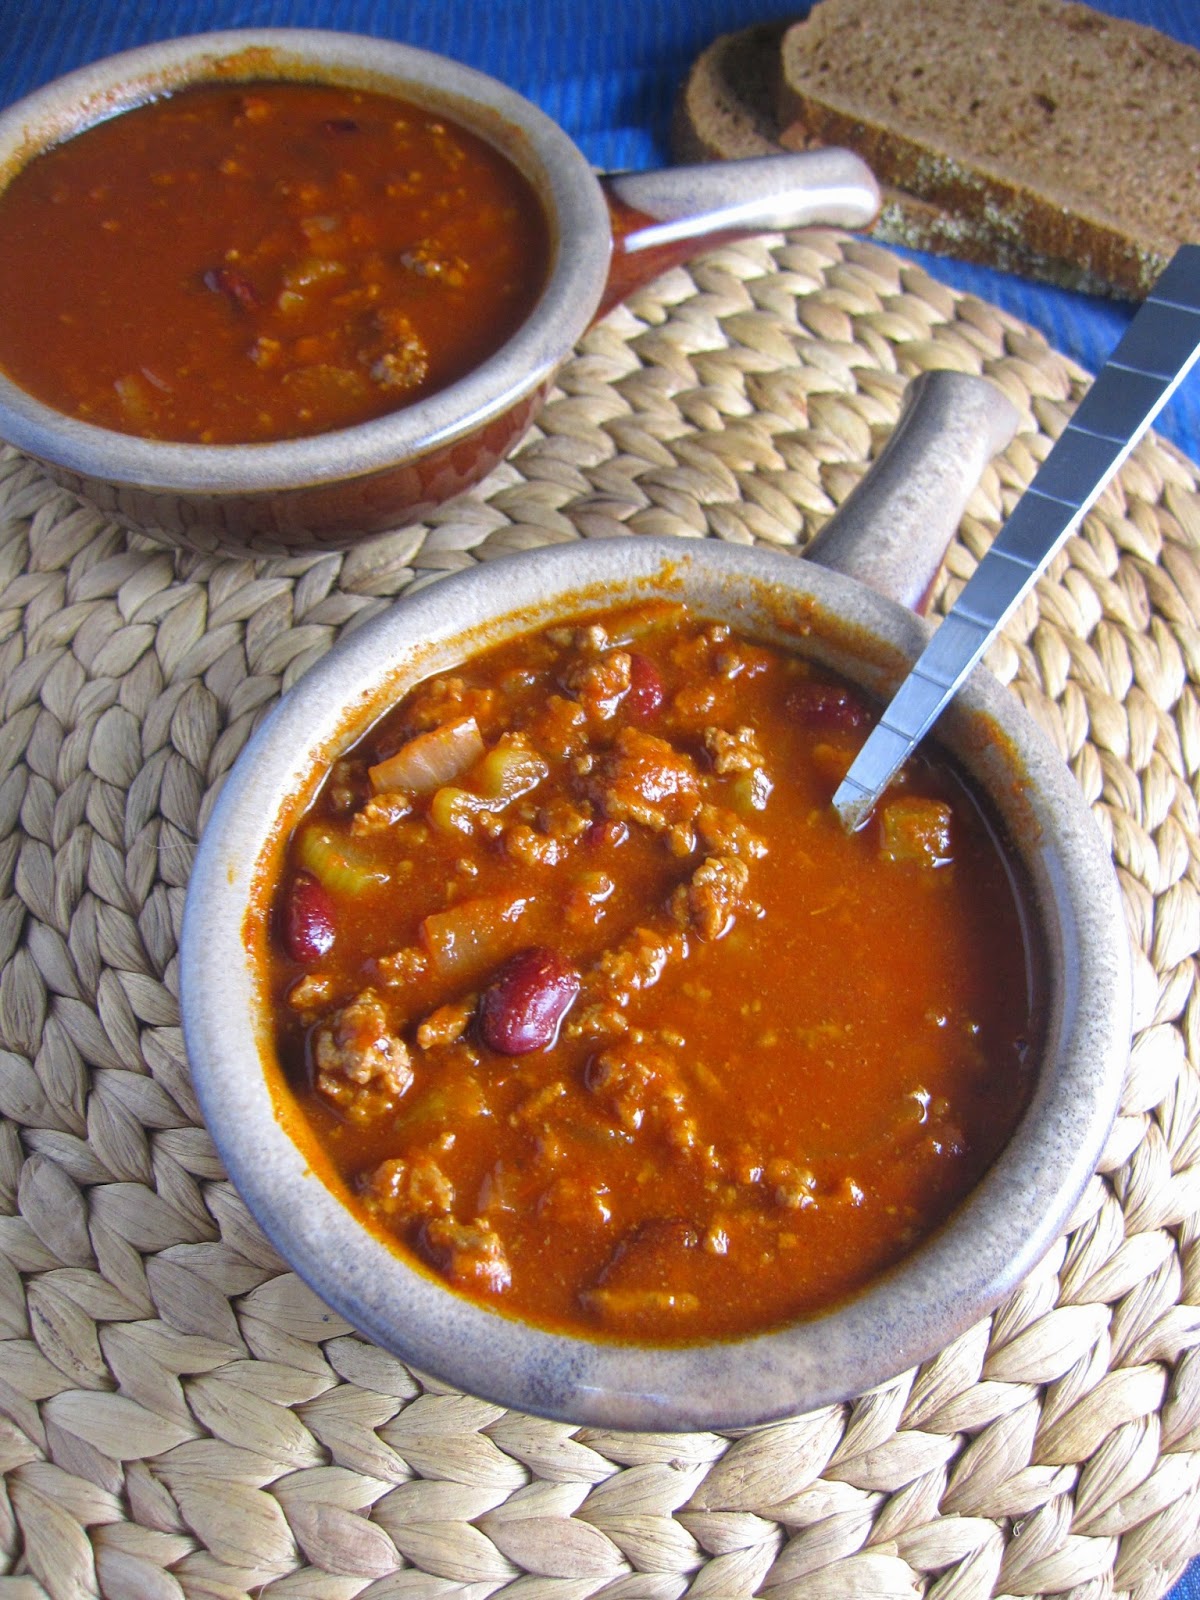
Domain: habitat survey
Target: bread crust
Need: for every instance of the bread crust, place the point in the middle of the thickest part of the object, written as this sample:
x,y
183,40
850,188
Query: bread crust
x,y
725,110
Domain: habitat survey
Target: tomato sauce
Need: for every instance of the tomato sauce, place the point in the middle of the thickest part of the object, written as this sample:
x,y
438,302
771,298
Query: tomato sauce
x,y
241,263
597,1012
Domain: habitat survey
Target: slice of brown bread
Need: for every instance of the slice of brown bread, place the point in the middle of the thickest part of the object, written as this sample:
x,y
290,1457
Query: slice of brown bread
x,y
726,110
1073,134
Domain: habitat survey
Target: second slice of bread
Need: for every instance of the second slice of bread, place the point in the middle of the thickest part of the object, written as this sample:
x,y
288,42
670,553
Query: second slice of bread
x,y
1074,135
726,111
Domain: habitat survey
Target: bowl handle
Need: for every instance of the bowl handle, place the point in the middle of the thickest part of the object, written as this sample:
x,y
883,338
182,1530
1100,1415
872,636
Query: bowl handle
x,y
662,218
893,530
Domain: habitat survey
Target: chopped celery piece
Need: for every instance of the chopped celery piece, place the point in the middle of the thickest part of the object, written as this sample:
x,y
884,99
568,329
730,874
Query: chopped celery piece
x,y
453,809
750,791
341,864
917,831
508,771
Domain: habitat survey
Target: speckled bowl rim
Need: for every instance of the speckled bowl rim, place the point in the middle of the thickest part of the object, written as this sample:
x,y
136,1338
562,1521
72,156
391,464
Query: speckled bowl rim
x,y
569,190
957,1276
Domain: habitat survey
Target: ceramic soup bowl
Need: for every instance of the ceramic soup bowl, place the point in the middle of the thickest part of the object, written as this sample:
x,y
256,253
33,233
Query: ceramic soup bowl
x,y
891,533
606,236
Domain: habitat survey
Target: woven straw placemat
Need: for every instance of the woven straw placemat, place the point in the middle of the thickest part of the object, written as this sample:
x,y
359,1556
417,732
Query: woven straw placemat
x,y
179,1416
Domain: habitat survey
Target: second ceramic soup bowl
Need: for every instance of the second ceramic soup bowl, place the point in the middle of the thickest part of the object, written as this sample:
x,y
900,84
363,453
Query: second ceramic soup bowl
x,y
887,541
328,490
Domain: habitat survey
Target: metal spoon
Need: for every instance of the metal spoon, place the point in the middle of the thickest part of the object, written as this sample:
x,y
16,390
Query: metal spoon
x,y
1154,356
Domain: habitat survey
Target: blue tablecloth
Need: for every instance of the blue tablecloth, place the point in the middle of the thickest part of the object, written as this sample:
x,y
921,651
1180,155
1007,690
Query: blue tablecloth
x,y
608,75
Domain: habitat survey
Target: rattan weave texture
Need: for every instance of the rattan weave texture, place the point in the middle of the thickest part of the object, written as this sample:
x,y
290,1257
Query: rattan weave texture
x,y
180,1417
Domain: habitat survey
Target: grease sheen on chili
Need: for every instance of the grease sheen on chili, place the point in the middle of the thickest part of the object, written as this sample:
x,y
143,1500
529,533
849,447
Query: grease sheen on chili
x,y
596,1011
234,263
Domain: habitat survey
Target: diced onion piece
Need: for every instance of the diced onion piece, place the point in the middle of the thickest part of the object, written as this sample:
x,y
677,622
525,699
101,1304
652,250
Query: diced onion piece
x,y
623,1303
134,396
657,619
431,759
473,934
337,862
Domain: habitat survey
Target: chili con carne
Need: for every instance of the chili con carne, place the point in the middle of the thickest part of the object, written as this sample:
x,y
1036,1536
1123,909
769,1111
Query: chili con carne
x,y
240,263
596,1010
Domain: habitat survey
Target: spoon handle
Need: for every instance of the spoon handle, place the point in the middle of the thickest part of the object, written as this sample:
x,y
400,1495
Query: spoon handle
x,y
1152,359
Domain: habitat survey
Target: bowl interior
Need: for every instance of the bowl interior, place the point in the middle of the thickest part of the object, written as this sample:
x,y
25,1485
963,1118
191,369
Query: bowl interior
x,y
989,1244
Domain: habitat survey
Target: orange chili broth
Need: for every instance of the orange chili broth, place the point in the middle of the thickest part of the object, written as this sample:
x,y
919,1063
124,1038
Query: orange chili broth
x,y
236,263
746,1309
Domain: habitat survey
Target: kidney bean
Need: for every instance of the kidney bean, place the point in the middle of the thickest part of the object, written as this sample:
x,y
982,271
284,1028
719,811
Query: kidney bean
x,y
234,285
340,125
522,1007
826,706
308,919
646,692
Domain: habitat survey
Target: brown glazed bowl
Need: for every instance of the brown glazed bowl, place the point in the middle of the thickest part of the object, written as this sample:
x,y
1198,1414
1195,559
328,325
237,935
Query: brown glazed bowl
x,y
329,490
892,533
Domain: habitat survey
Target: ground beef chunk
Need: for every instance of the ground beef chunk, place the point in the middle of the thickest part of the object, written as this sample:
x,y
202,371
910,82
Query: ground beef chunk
x,y
595,1021
311,994
394,354
588,637
427,261
791,1185
633,1081
602,684
575,1203
442,700
718,891
564,822
644,779
733,752
916,830
346,783
697,704
381,812
469,1254
414,1186
681,839
447,1024
740,659
531,848
401,368
722,833
356,1047
638,962
403,966
560,729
